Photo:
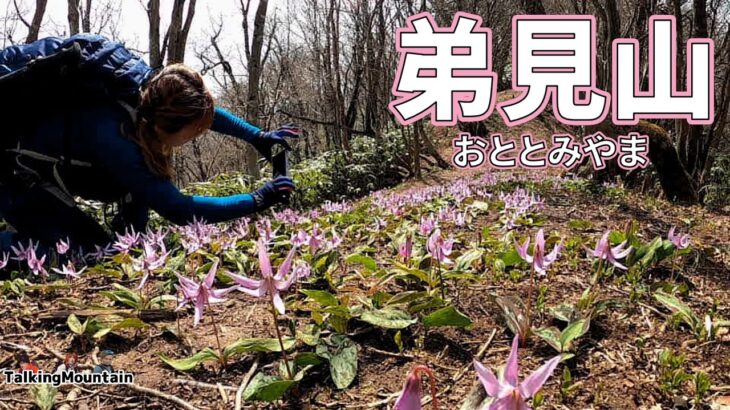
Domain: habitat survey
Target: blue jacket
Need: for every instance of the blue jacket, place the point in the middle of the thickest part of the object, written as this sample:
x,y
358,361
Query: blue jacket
x,y
118,167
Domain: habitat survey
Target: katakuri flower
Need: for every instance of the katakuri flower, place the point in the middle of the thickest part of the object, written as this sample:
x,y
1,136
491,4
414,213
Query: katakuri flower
x,y
605,252
410,397
538,259
126,242
69,270
405,250
201,294
4,261
680,241
440,248
63,246
507,391
269,284
150,260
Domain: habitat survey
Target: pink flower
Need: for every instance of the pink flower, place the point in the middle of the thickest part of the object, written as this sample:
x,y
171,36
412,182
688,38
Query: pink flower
x,y
69,270
410,397
269,284
63,247
4,260
126,242
201,294
680,241
264,228
427,225
99,253
35,263
156,237
604,251
240,228
302,270
197,235
336,240
300,238
405,250
539,260
508,392
440,248
21,252
460,219
150,260
315,239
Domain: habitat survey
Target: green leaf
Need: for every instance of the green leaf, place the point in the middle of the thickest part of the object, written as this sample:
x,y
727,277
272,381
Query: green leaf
x,y
572,332
513,312
44,396
124,295
465,261
101,332
447,316
75,325
564,312
510,258
388,318
406,297
480,205
309,335
189,363
552,336
266,388
398,339
263,345
676,306
322,297
365,261
579,224
307,359
341,352
129,323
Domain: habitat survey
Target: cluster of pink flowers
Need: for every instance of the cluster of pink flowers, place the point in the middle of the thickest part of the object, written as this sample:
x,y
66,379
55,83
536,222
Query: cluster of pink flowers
x,y
316,239
517,203
29,255
197,235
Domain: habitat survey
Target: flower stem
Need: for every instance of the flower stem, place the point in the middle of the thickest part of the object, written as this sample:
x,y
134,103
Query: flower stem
x,y
528,310
441,280
599,272
222,358
281,342
432,381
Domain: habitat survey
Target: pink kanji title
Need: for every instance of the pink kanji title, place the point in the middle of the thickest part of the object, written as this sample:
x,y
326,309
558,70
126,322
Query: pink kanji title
x,y
445,73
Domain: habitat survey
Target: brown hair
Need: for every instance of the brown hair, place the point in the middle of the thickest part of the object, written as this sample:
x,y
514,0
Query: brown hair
x,y
174,99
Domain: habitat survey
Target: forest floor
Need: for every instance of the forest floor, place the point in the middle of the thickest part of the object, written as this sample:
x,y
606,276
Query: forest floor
x,y
616,364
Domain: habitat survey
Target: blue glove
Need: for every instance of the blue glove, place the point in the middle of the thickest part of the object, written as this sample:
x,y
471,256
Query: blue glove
x,y
273,192
267,139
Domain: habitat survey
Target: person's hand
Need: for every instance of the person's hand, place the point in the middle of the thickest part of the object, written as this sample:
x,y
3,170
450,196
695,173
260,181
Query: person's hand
x,y
267,139
273,192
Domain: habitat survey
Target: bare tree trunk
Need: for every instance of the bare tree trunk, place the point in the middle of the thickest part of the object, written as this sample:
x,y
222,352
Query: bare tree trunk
x,y
35,25
696,152
255,68
86,18
153,15
177,33
73,17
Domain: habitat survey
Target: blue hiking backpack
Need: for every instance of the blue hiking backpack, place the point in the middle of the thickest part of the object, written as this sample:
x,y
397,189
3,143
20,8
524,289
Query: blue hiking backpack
x,y
55,75
95,66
